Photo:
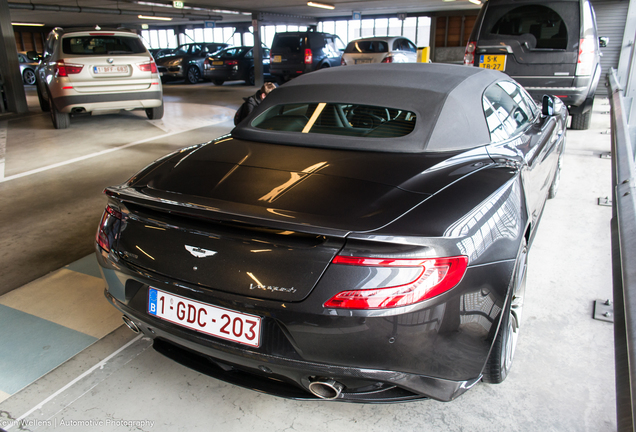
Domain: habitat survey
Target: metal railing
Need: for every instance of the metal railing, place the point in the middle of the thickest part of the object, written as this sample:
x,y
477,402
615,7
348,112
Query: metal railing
x,y
623,257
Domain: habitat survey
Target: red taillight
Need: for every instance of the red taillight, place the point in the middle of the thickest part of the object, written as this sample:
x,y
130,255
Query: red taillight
x,y
309,57
387,59
469,54
231,62
437,276
342,61
148,67
65,69
108,228
586,56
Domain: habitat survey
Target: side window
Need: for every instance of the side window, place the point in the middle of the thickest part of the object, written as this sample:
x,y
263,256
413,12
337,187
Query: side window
x,y
48,48
396,45
340,46
410,46
506,110
249,54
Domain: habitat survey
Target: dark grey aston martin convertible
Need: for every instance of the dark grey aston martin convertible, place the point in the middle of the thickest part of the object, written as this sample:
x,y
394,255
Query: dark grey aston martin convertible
x,y
361,236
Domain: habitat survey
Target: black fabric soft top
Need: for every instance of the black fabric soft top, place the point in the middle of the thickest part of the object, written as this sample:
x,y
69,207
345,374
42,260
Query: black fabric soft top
x,y
447,100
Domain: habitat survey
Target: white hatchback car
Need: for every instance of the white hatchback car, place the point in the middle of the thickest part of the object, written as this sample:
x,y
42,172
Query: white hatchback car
x,y
88,70
389,49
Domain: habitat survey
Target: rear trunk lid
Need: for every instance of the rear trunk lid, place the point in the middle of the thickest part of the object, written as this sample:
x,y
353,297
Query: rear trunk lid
x,y
110,73
264,220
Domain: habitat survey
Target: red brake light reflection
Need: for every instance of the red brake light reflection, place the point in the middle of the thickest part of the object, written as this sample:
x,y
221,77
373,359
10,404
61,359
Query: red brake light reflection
x,y
108,228
309,57
438,275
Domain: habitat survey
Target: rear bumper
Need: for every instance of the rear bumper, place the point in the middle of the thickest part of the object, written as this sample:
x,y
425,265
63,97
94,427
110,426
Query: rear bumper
x,y
93,102
286,377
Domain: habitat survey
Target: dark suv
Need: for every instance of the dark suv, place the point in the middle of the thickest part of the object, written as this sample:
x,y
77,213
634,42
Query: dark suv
x,y
296,53
186,61
550,47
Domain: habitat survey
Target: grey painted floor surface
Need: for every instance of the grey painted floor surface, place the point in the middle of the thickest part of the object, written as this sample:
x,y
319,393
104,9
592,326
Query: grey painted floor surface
x,y
563,374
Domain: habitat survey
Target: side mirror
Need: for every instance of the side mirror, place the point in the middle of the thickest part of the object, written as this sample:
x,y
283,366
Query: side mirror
x,y
548,105
32,55
603,41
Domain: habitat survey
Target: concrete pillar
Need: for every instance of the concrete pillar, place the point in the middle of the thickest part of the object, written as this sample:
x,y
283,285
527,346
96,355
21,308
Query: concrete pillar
x,y
9,65
258,51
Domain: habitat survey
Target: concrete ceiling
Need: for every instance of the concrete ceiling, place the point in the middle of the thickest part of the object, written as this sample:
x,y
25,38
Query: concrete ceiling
x,y
67,13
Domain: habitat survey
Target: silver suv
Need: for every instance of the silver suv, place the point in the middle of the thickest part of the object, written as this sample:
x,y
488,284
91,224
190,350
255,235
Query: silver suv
x,y
86,70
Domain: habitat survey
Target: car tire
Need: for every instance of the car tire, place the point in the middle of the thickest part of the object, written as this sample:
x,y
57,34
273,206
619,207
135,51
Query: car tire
x,y
503,350
581,121
60,120
194,75
554,187
250,78
44,103
219,82
155,113
28,76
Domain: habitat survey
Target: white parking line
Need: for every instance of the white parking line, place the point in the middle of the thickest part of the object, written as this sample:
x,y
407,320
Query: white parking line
x,y
71,161
99,366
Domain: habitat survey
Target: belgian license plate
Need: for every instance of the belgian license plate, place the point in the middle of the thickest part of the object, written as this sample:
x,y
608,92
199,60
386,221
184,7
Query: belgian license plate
x,y
212,320
363,61
277,59
496,62
217,62
110,69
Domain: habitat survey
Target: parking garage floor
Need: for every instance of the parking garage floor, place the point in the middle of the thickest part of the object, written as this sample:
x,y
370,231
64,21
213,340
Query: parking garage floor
x,y
67,363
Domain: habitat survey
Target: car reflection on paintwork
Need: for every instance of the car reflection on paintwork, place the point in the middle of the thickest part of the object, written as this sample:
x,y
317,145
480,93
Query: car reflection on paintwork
x,y
186,61
234,63
27,67
348,240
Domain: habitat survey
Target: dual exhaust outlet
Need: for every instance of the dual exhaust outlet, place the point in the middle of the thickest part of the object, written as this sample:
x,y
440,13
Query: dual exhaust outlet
x,y
328,389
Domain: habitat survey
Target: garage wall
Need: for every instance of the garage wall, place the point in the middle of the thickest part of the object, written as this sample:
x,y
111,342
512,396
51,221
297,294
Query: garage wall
x,y
610,18
29,40
451,36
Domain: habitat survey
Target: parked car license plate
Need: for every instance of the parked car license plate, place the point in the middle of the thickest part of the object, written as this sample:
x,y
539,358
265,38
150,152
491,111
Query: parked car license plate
x,y
217,62
496,62
213,320
109,69
277,59
363,61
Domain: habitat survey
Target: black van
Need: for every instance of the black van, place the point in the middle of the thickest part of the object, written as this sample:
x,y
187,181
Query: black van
x,y
296,53
550,47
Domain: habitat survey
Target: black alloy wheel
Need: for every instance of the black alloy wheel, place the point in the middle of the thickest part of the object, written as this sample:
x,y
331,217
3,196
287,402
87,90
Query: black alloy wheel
x,y
28,76
503,350
194,75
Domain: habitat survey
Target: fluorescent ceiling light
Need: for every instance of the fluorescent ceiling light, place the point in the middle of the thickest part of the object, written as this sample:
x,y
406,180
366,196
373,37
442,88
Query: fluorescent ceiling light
x,y
477,2
154,18
320,5
27,24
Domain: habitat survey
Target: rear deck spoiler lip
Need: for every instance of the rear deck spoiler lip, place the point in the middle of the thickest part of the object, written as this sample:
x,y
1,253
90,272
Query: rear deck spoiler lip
x,y
165,201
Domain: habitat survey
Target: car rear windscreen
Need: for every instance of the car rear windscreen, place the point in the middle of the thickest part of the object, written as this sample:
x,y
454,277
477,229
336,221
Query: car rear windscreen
x,y
546,27
102,45
367,47
291,44
338,119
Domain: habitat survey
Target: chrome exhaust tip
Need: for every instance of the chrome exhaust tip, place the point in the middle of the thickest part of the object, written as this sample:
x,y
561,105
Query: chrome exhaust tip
x,y
130,324
326,389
